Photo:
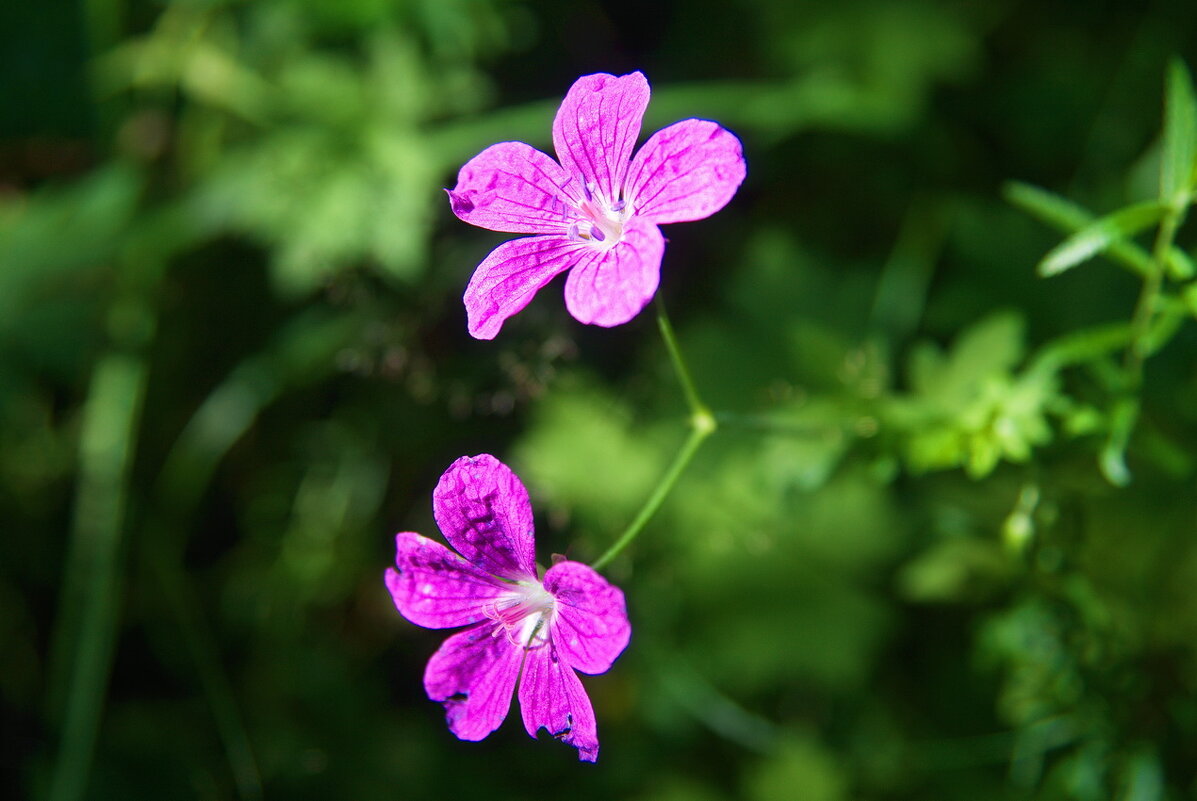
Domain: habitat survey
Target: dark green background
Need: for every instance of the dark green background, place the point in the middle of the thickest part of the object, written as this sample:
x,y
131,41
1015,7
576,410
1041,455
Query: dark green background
x,y
225,253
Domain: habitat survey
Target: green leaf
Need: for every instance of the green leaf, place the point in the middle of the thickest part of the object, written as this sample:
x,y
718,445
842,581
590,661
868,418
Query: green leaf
x,y
1057,211
1180,265
1100,235
1082,345
1064,215
1189,296
993,344
1180,137
990,347
1165,325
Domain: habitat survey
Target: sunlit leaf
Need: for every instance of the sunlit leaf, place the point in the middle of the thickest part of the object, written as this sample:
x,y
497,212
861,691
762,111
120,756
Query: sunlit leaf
x,y
1180,138
1180,265
991,346
1098,236
1064,215
1189,296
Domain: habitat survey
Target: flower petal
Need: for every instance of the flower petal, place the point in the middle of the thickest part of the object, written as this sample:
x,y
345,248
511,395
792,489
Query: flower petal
x,y
551,696
507,279
597,126
483,510
591,628
686,171
611,288
434,587
512,187
473,673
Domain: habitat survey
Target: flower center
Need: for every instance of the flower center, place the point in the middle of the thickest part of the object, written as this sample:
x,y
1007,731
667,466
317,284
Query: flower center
x,y
599,221
525,614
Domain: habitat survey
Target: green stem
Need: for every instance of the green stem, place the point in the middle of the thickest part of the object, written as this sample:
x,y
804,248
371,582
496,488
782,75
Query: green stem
x,y
1125,411
698,409
684,455
702,425
1149,297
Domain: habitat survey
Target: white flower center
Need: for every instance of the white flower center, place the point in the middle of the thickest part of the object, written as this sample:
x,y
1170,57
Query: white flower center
x,y
525,614
599,221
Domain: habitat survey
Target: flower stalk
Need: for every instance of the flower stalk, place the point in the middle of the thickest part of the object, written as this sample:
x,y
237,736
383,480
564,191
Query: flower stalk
x,y
702,425
698,435
701,416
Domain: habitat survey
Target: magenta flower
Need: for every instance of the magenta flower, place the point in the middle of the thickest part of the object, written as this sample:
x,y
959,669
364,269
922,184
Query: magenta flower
x,y
522,629
596,212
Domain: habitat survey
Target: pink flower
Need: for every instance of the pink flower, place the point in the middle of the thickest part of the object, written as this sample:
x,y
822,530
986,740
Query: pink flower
x,y
596,212
522,629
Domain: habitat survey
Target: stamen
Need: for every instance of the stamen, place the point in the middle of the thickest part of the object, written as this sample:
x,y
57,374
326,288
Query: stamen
x,y
523,616
597,221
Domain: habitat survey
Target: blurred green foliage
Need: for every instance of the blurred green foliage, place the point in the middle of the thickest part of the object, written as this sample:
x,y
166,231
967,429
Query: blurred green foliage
x,y
943,544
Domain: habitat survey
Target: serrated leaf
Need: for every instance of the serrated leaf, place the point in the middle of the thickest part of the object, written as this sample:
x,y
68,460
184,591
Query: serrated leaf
x,y
993,343
1180,137
1100,235
991,346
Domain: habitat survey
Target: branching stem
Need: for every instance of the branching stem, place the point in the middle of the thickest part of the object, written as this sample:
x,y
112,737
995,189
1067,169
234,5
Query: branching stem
x,y
1137,353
